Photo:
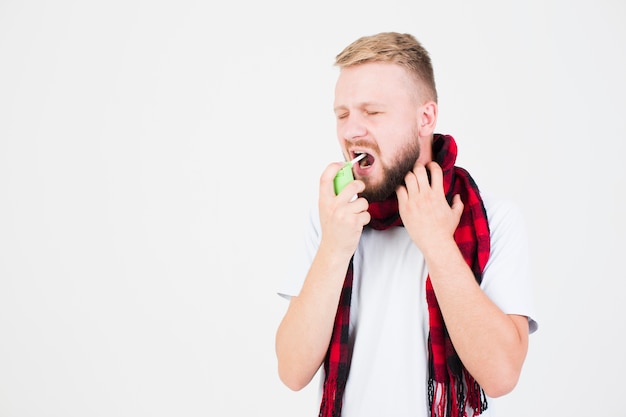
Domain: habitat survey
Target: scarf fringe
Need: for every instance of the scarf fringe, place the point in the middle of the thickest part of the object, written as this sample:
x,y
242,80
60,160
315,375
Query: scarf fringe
x,y
332,399
453,400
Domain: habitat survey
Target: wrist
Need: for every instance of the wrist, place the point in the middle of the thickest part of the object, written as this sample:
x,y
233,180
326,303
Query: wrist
x,y
441,251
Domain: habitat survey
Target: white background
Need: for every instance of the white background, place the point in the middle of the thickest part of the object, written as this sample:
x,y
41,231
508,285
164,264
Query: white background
x,y
156,159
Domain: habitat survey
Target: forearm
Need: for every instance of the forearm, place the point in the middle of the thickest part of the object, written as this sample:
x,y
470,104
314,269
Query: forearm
x,y
491,344
304,334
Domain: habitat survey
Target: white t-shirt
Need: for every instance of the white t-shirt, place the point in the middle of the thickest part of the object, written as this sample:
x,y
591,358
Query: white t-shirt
x,y
389,314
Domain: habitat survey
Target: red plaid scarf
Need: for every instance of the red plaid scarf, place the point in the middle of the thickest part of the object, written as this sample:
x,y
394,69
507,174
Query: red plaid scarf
x,y
450,387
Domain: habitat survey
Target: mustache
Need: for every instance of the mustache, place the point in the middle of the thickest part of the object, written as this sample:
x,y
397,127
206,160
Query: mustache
x,y
362,143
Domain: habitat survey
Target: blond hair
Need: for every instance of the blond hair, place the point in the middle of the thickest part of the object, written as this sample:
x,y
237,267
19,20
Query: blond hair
x,y
396,48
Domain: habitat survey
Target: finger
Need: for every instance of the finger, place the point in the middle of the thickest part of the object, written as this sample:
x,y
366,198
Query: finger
x,y
436,175
351,190
402,194
359,205
326,179
421,176
364,218
410,182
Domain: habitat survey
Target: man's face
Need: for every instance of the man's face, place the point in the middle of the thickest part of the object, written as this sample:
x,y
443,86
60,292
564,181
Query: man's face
x,y
377,110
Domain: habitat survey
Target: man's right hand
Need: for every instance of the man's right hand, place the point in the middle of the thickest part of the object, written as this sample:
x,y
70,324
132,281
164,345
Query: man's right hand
x,y
341,216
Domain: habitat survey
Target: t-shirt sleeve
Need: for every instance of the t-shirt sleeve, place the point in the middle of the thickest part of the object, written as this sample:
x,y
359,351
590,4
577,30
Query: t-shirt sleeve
x,y
507,276
302,257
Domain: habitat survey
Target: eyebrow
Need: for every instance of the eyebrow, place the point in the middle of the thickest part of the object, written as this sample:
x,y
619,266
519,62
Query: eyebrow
x,y
359,105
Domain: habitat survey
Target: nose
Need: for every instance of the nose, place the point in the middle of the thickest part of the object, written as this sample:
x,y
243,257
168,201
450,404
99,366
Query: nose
x,y
351,127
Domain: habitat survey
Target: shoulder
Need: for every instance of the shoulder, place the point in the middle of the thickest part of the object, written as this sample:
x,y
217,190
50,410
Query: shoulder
x,y
507,276
507,230
503,214
498,205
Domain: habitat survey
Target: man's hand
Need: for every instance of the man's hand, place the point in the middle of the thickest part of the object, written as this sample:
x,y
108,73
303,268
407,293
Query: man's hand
x,y
427,216
342,218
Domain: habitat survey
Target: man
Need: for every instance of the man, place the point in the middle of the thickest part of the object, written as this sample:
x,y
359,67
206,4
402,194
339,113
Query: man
x,y
415,293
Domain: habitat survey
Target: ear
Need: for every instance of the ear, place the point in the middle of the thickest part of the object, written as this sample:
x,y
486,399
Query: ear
x,y
427,118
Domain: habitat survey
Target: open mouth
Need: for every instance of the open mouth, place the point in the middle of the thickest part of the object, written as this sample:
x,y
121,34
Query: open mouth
x,y
366,161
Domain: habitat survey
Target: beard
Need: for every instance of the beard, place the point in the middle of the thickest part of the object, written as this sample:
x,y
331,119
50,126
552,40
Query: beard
x,y
393,175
